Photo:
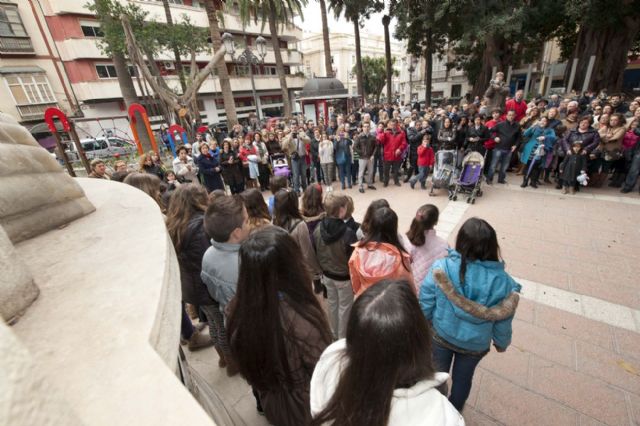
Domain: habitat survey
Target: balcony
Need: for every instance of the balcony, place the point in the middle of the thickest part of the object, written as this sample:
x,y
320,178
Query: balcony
x,y
16,45
109,88
34,111
80,48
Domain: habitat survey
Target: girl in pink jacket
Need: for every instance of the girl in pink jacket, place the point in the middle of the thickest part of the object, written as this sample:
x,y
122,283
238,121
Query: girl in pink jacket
x,y
422,243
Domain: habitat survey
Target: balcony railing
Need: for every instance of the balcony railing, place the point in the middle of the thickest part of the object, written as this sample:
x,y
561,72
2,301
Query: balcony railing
x,y
15,45
32,111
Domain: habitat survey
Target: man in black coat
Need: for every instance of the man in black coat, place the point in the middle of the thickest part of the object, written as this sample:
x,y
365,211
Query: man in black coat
x,y
508,137
414,137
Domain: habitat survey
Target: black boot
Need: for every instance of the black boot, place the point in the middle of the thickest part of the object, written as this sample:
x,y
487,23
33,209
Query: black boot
x,y
525,182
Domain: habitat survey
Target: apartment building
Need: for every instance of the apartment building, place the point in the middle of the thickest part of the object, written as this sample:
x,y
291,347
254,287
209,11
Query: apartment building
x,y
50,56
343,56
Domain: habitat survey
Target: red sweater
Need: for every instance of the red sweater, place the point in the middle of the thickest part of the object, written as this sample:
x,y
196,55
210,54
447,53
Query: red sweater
x,y
425,156
519,107
391,142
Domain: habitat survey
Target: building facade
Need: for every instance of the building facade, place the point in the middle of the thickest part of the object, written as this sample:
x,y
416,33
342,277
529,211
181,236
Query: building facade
x,y
343,56
445,83
544,76
50,56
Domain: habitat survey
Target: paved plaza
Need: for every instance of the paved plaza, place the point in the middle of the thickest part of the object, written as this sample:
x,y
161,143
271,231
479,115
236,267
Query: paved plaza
x,y
575,356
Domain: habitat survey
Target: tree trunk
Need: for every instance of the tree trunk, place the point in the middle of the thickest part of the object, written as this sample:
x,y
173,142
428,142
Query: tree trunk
x,y
428,69
221,67
387,56
359,71
273,27
176,54
497,53
610,47
325,38
130,96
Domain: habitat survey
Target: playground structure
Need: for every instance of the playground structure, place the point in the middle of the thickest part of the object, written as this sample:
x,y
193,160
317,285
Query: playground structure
x,y
136,112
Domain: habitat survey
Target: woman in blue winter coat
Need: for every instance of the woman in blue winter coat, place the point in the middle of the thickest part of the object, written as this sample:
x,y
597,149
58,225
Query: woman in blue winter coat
x,y
540,141
209,169
470,300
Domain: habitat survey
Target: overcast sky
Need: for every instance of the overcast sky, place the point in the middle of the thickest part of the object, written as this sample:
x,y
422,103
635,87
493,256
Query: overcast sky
x,y
313,22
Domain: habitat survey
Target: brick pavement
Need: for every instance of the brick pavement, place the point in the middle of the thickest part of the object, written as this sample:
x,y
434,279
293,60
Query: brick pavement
x,y
563,368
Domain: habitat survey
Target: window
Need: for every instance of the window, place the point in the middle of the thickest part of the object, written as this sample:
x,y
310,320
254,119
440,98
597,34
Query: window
x,y
242,70
10,22
456,90
30,88
13,37
91,29
270,70
118,142
106,71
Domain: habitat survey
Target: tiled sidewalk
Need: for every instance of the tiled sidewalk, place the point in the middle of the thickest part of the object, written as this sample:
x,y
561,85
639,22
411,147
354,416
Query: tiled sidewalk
x,y
562,368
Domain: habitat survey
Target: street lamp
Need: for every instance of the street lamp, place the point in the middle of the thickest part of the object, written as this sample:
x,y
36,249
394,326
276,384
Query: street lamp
x,y
413,62
247,57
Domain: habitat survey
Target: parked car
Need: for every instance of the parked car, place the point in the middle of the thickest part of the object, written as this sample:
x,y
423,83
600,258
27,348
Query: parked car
x,y
101,148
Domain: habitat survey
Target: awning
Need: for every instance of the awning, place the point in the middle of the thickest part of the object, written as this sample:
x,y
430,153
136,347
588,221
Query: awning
x,y
21,70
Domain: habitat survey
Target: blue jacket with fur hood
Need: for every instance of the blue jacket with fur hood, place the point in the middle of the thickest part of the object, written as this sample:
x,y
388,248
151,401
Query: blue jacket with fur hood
x,y
470,315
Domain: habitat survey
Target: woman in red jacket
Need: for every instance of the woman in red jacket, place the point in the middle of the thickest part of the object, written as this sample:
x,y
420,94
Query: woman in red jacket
x,y
394,142
426,159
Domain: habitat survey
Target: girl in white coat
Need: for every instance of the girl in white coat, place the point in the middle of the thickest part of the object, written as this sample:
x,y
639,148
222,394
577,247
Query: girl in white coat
x,y
387,358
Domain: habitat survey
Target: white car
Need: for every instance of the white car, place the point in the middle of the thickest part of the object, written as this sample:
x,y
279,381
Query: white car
x,y
101,148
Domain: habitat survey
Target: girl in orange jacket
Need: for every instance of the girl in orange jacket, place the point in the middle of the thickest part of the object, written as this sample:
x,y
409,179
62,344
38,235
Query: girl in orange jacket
x,y
380,255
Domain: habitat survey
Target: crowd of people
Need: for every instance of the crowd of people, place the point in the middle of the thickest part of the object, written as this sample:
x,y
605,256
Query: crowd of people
x,y
571,142
315,310
332,321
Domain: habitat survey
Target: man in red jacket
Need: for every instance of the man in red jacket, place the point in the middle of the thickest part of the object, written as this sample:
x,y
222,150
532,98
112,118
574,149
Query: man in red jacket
x,y
516,104
394,143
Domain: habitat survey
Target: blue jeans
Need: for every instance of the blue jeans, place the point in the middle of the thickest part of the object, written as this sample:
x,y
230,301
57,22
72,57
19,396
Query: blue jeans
x,y
464,366
299,167
423,172
344,170
632,174
501,157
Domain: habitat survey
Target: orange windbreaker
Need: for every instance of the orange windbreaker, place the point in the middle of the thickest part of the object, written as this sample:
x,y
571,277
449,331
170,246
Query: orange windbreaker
x,y
374,262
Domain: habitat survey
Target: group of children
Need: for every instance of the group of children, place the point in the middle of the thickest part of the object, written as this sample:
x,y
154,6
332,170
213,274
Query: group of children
x,y
391,300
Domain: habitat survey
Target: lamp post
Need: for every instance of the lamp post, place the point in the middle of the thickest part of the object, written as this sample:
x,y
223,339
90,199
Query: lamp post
x,y
412,67
247,57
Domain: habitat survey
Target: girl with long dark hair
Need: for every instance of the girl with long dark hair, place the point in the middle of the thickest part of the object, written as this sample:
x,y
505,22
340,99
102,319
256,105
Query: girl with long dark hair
x,y
185,224
257,209
387,357
380,255
470,300
288,217
312,208
276,326
366,221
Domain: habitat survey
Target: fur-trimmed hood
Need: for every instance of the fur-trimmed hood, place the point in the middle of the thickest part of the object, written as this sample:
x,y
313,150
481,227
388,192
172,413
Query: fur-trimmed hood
x,y
506,308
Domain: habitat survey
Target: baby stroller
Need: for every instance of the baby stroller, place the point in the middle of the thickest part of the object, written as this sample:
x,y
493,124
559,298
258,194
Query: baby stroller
x,y
470,180
280,165
444,170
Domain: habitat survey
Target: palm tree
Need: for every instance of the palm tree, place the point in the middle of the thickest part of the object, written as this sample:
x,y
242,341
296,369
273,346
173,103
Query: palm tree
x,y
274,12
354,11
386,19
328,66
212,7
